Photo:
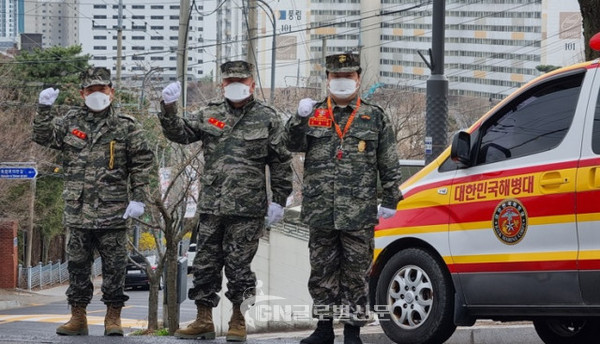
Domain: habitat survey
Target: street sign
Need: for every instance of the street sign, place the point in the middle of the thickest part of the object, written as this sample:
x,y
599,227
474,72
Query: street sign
x,y
428,145
18,172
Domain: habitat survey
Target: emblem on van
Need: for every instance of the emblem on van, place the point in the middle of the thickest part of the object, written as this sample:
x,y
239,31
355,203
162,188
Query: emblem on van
x,y
510,221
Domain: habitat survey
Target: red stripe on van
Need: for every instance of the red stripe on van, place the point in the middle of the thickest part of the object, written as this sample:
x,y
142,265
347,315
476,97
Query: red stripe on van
x,y
536,206
493,175
551,265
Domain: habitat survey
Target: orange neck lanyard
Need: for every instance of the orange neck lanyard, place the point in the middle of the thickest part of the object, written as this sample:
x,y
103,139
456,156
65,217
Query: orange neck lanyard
x,y
346,127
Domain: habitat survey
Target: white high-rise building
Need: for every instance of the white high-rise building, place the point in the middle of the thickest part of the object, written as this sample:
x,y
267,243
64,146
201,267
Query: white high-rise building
x,y
491,46
55,20
10,17
150,34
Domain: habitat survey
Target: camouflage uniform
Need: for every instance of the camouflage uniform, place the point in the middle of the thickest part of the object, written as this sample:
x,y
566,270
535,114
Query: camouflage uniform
x,y
238,144
340,195
103,155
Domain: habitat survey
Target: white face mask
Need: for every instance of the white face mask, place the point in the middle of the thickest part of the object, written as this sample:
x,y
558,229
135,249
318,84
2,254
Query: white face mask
x,y
97,101
342,87
236,91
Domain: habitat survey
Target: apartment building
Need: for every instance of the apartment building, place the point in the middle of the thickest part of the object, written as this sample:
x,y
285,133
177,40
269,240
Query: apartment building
x,y
56,20
491,46
11,17
150,34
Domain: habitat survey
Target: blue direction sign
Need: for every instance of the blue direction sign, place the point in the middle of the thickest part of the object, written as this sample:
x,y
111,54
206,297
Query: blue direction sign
x,y
18,172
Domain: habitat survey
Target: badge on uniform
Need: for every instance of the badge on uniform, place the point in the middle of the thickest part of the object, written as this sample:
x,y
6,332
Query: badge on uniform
x,y
80,134
362,145
321,118
216,123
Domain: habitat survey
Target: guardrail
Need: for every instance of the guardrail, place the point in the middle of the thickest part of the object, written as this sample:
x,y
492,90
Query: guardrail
x,y
41,276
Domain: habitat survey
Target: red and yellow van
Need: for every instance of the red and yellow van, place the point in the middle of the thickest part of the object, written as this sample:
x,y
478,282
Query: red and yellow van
x,y
505,224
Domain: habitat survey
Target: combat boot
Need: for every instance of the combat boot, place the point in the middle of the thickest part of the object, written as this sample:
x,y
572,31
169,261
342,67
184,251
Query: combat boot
x,y
352,334
322,335
237,326
112,321
77,325
201,328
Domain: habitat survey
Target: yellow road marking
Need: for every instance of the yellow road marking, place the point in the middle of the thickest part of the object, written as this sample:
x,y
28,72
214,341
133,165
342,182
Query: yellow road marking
x,y
58,318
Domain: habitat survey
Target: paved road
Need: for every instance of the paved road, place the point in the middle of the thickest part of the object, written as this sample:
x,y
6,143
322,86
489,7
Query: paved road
x,y
33,317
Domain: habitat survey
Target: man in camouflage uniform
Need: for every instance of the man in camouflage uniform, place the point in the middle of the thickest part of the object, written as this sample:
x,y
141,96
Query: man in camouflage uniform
x,y
106,164
347,142
240,136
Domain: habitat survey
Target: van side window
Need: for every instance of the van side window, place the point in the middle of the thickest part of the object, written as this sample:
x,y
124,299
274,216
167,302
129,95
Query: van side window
x,y
536,121
596,128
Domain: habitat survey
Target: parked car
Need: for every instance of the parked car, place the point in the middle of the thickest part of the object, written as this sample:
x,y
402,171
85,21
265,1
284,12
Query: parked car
x,y
136,276
504,224
190,255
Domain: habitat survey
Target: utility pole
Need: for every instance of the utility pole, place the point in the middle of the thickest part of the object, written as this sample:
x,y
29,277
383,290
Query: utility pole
x,y
437,87
273,51
184,15
119,45
251,48
219,47
324,55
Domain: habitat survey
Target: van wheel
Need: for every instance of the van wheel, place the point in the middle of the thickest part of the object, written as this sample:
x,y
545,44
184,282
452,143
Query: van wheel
x,y
568,330
415,299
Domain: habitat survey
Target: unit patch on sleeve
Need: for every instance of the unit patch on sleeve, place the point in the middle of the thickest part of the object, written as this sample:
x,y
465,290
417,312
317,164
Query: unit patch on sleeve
x,y
510,221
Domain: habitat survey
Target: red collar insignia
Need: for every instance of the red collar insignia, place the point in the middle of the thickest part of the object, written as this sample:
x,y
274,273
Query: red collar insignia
x,y
216,123
80,134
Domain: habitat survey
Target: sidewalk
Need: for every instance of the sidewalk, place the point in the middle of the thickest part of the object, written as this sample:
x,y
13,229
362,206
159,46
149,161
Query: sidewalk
x,y
14,298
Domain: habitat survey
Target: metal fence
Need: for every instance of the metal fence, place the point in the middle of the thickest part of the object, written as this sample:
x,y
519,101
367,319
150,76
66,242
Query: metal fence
x,y
41,276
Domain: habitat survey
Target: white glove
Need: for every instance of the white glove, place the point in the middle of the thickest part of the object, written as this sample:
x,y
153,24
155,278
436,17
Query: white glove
x,y
48,96
385,212
275,213
134,209
305,107
172,92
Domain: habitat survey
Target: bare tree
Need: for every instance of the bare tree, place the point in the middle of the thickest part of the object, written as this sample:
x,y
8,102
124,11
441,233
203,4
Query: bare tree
x,y
590,12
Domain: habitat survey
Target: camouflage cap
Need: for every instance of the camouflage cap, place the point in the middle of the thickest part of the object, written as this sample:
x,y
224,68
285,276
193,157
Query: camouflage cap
x,y
341,63
95,76
237,69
